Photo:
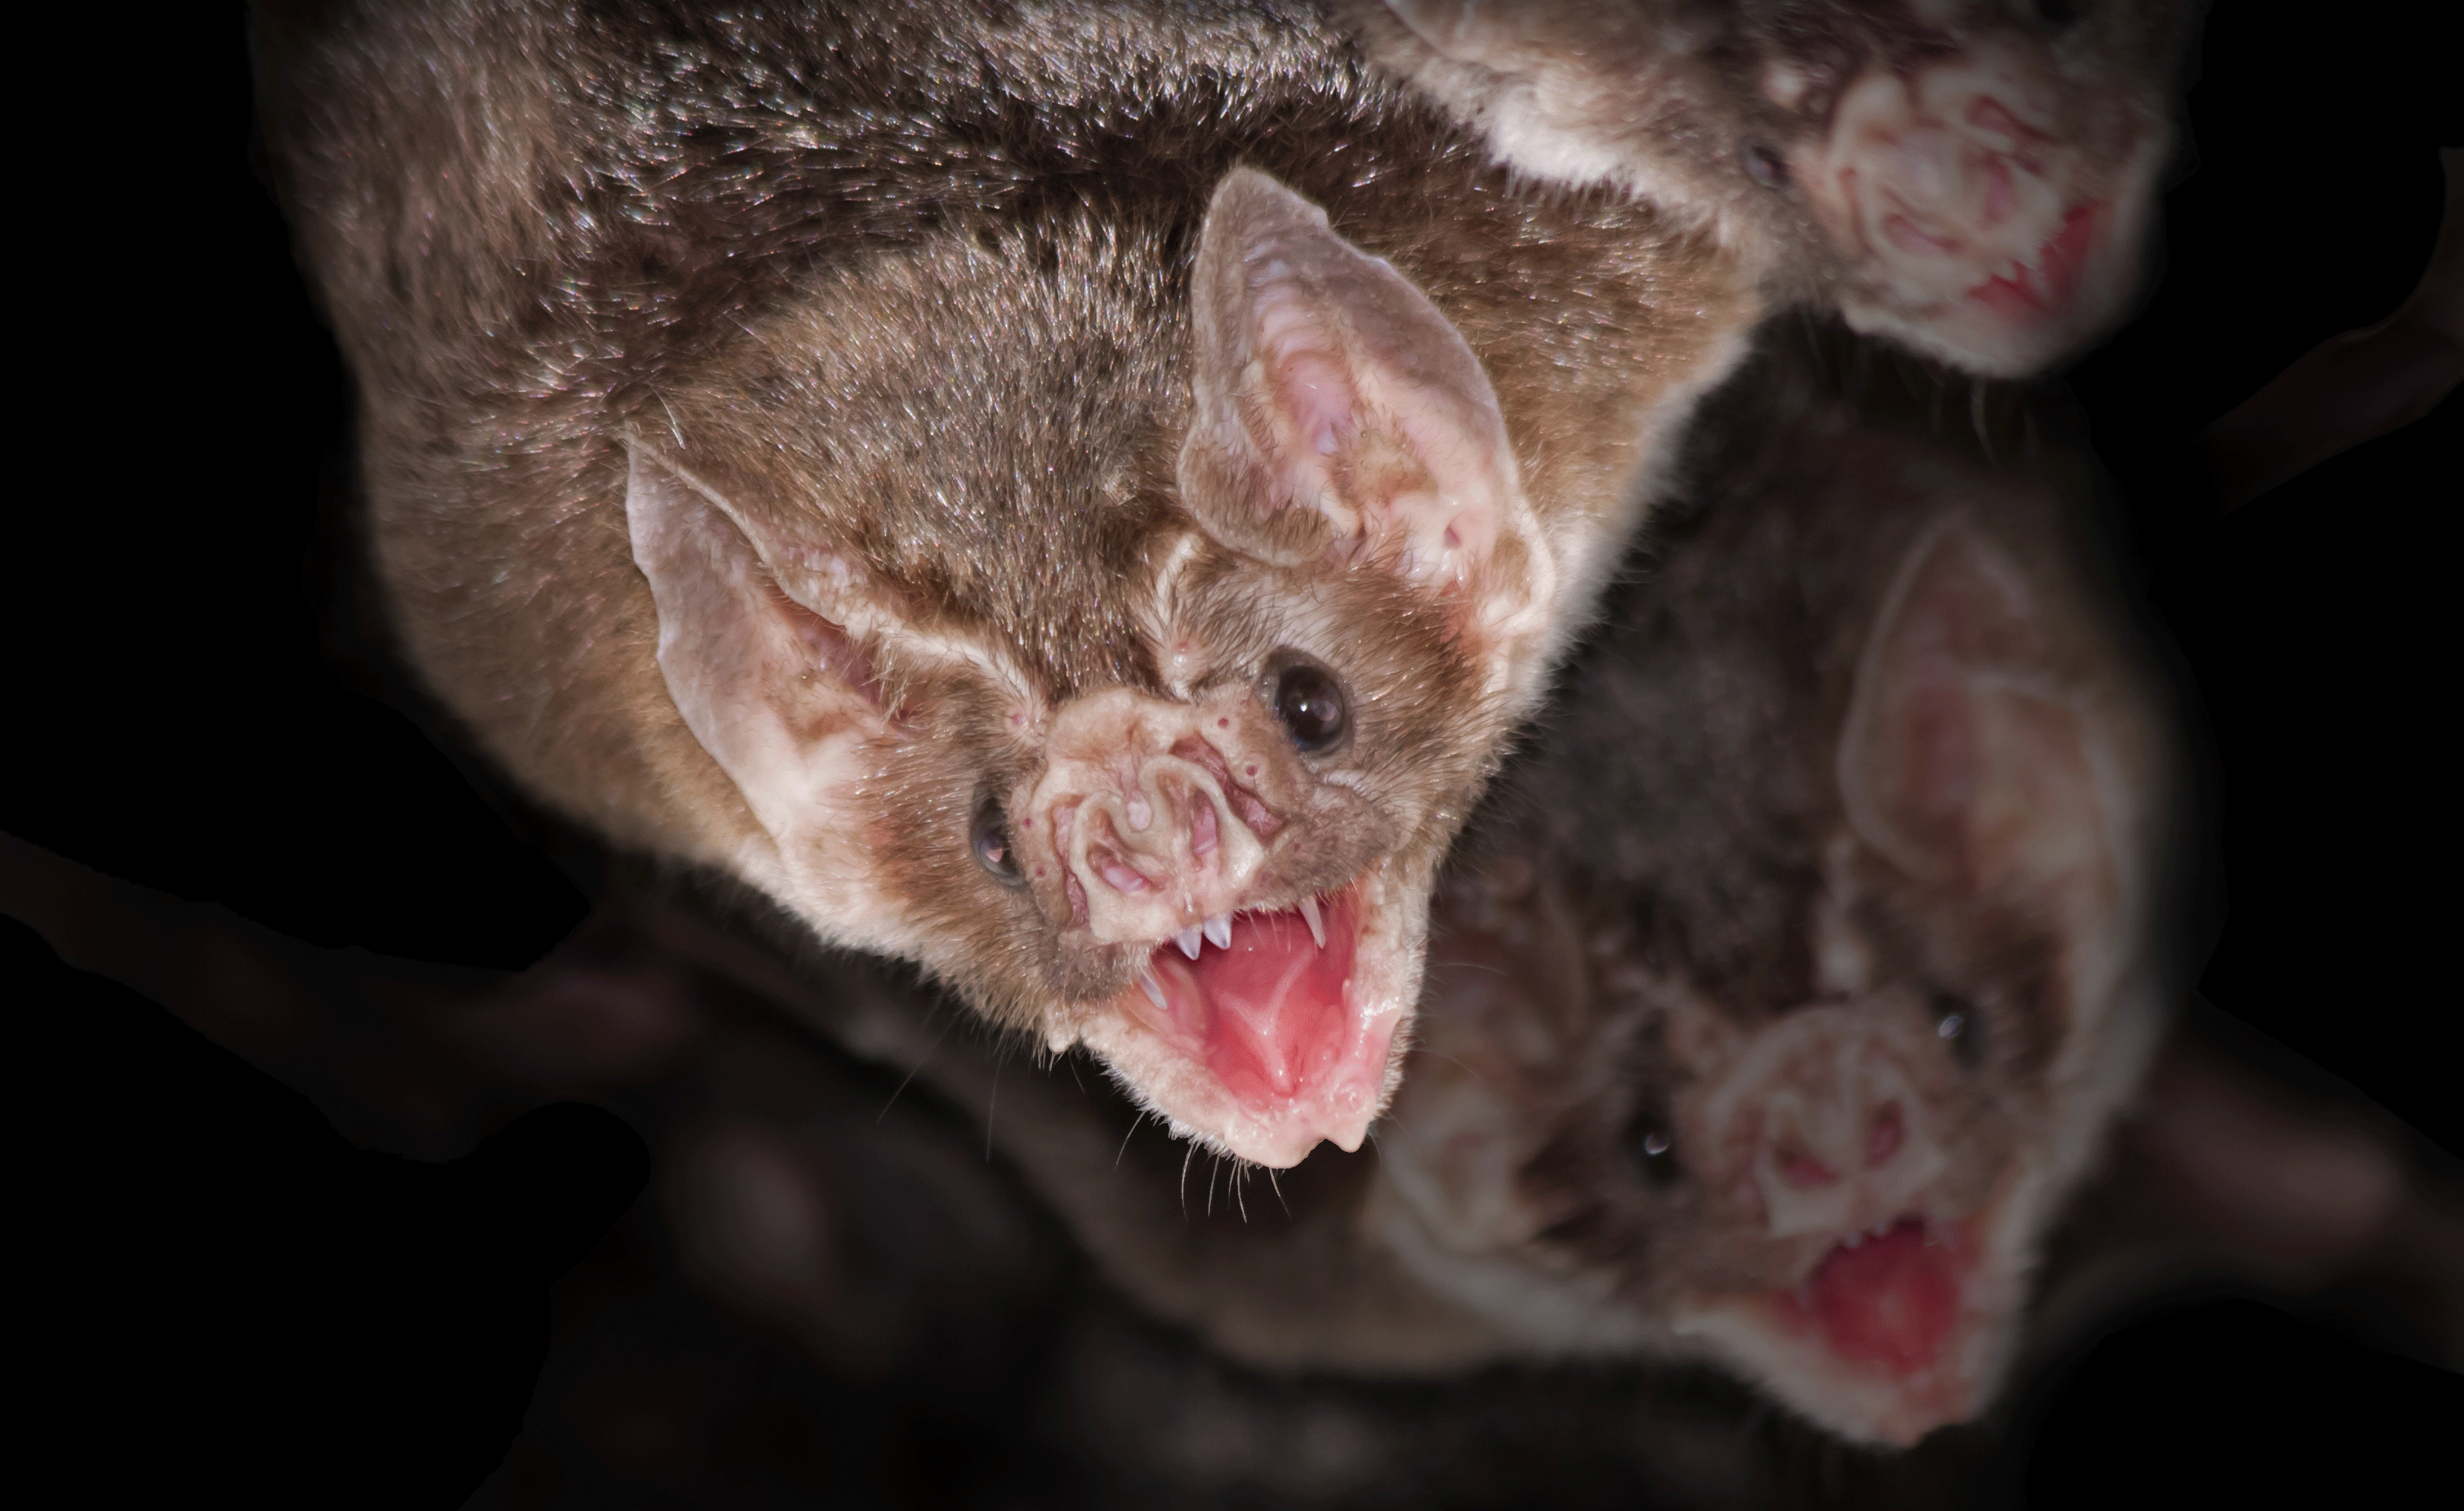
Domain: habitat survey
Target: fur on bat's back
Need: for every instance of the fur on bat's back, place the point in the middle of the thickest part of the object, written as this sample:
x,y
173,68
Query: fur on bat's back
x,y
527,222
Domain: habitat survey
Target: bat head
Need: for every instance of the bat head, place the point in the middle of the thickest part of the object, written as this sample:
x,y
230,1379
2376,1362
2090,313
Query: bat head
x,y
1120,636
1970,178
1807,1107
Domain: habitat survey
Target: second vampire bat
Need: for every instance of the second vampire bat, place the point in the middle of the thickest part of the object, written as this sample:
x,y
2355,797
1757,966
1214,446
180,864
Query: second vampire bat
x,y
1074,498
1974,179
1819,946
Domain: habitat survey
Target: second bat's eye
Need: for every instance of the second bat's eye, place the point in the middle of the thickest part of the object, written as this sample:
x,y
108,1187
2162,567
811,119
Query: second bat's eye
x,y
1653,1146
1311,703
1957,1024
988,836
1764,164
2060,14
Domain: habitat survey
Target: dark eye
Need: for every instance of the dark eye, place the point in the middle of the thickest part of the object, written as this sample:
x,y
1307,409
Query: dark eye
x,y
1957,1024
2061,13
1310,702
1653,1146
988,836
1764,164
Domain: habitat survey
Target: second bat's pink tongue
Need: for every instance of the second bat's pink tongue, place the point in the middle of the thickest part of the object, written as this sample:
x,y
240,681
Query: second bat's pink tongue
x,y
1276,1020
1889,1301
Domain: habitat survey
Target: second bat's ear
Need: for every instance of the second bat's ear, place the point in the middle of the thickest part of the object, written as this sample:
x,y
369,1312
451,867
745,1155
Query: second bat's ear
x,y
763,648
1968,758
1463,30
1339,415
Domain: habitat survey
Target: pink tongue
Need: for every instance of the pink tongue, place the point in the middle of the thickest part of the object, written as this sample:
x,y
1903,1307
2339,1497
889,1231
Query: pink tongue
x,y
1276,1020
1888,1302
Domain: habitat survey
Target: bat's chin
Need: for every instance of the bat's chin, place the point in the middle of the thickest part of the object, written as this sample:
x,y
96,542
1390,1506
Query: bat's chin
x,y
1892,1331
1276,1031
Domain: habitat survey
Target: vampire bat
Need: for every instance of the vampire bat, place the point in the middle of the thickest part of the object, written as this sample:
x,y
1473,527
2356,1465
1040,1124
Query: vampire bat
x,y
1071,497
1818,944
1971,178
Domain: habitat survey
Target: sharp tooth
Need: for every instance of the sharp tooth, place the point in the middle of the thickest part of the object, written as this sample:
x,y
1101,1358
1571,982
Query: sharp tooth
x,y
1218,929
1187,939
1318,926
1152,988
1853,1240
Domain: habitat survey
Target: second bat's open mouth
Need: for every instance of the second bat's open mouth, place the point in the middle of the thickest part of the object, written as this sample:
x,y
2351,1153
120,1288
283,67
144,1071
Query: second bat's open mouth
x,y
2044,284
1886,1298
1890,1333
1265,1032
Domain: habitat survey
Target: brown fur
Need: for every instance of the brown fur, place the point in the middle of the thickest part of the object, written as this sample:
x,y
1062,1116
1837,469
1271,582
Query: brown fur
x,y
945,251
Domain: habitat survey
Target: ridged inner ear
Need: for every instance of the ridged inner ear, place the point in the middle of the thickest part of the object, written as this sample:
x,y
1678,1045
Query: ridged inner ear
x,y
775,686
1339,416
1966,760
1462,30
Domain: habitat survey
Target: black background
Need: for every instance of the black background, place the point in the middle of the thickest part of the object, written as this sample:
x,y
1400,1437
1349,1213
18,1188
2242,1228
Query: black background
x,y
235,1291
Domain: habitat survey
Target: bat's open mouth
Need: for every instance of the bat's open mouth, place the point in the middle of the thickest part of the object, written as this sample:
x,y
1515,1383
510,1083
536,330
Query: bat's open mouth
x,y
1272,1027
1893,1330
1268,995
1885,1299
2043,285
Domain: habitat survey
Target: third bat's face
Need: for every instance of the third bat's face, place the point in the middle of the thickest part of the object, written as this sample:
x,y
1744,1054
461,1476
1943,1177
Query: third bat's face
x,y
1972,178
1128,665
1983,198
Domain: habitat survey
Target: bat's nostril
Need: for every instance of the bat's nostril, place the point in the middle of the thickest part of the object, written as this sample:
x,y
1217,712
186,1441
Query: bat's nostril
x,y
1122,876
1202,829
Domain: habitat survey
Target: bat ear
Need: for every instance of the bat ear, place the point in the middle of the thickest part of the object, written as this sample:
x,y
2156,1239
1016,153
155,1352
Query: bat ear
x,y
1966,758
1448,27
763,647
1534,42
1339,416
